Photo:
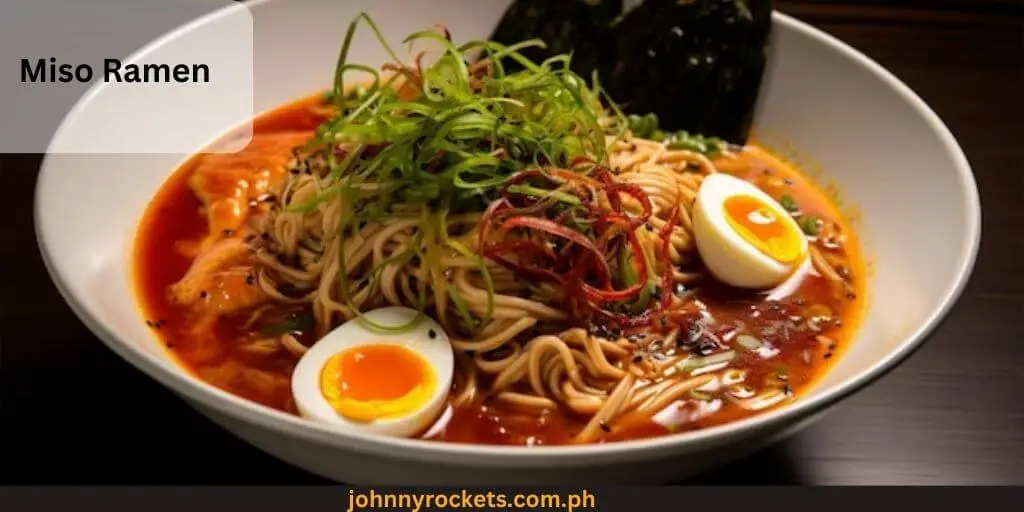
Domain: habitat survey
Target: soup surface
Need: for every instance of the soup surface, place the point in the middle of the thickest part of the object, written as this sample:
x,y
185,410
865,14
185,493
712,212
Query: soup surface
x,y
802,326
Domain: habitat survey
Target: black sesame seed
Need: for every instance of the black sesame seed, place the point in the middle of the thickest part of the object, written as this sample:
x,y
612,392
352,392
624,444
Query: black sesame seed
x,y
649,227
295,171
149,323
264,235
250,279
203,294
658,356
828,355
432,334
787,181
229,232
787,390
637,358
832,346
605,427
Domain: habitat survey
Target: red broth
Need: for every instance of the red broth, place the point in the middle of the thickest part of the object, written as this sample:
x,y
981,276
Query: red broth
x,y
175,222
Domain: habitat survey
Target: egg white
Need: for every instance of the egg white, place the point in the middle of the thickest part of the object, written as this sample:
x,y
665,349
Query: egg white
x,y
436,352
726,254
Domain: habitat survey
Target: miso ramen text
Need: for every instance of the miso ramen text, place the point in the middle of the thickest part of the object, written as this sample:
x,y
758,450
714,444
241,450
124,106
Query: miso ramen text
x,y
115,71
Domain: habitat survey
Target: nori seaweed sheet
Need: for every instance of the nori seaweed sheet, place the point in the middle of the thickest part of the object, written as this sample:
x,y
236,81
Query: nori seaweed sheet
x,y
582,27
697,64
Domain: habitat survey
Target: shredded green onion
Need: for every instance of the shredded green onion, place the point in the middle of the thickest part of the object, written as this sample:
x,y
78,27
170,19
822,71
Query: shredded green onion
x,y
450,147
696,363
391,329
461,307
527,190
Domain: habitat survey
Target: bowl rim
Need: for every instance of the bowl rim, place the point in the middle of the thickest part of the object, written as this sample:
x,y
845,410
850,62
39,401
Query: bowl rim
x,y
246,411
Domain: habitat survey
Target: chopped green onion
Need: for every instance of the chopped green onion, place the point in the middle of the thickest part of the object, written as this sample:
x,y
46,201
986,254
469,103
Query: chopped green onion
x,y
749,342
297,323
788,203
710,146
643,126
810,224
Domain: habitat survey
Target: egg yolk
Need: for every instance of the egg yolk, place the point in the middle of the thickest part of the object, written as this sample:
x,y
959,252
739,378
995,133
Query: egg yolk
x,y
759,225
372,382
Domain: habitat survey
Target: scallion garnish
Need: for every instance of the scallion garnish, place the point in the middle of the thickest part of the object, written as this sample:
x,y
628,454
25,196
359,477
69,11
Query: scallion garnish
x,y
749,342
710,146
447,135
787,202
296,323
810,224
696,363
643,126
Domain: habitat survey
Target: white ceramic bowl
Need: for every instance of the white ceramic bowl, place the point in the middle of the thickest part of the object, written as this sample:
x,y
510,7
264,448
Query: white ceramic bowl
x,y
889,154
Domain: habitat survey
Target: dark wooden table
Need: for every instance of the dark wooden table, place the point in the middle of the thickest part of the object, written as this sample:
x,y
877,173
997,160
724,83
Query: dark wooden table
x,y
73,412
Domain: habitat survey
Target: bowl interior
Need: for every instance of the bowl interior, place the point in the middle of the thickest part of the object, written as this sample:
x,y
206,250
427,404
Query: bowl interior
x,y
894,163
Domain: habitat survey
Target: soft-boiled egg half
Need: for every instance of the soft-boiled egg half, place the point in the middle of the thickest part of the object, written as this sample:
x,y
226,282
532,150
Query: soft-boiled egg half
x,y
745,237
389,383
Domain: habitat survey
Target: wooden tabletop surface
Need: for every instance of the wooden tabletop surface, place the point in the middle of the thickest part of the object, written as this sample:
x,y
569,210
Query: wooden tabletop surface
x,y
71,411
